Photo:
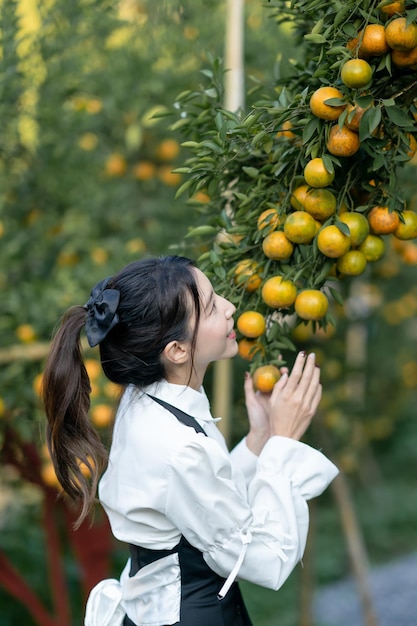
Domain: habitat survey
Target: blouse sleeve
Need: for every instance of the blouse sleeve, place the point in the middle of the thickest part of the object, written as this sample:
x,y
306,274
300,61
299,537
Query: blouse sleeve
x,y
244,460
263,534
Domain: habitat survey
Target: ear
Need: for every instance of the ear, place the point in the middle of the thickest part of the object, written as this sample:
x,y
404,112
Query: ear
x,y
176,352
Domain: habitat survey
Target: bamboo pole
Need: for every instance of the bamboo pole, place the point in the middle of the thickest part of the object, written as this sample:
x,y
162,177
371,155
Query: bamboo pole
x,y
234,100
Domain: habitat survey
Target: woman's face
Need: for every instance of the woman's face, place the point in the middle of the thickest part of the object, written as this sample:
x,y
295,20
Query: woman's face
x,y
216,338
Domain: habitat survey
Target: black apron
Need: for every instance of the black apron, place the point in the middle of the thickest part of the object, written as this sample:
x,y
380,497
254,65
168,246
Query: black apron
x,y
200,605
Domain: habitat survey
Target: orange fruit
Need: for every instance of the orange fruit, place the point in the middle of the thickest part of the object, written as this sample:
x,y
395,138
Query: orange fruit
x,y
276,246
268,220
407,228
393,8
322,110
144,170
354,116
168,150
373,247
400,35
332,242
356,73
251,324
311,304
382,221
279,293
358,226
372,41
286,131
169,177
342,142
26,333
409,254
265,377
49,477
300,227
248,348
352,263
116,165
320,203
102,415
412,145
316,174
246,275
404,58
298,197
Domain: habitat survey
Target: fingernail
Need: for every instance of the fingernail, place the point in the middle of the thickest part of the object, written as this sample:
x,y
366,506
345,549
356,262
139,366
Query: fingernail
x,y
302,353
247,375
312,355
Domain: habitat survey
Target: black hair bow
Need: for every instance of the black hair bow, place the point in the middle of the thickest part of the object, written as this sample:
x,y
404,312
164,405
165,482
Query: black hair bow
x,y
102,312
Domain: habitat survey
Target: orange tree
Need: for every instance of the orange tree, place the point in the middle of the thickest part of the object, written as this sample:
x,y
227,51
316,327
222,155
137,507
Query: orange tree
x,y
320,152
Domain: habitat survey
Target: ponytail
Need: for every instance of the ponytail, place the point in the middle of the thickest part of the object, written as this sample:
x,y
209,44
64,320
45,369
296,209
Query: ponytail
x,y
71,439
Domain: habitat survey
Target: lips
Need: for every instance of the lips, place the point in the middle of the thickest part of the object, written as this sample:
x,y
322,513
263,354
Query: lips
x,y
232,334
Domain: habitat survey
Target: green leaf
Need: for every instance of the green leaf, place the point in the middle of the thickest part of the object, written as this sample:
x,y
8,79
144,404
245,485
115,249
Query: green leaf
x,y
399,117
315,38
201,231
251,171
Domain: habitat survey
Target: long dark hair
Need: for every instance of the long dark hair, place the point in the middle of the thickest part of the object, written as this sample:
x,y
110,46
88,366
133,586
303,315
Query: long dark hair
x,y
157,298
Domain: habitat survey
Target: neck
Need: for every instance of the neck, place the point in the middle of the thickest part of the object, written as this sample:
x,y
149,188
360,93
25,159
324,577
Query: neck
x,y
183,377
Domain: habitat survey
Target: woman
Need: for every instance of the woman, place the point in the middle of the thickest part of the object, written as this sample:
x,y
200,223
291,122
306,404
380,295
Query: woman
x,y
195,517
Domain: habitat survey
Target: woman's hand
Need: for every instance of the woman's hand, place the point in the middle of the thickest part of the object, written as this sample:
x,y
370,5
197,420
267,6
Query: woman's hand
x,y
295,398
258,408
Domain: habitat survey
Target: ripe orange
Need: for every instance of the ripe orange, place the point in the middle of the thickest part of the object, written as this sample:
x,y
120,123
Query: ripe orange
x,y
332,242
407,229
356,73
412,145
316,174
102,415
311,304
277,246
400,35
342,142
298,197
286,131
251,324
265,377
354,116
168,150
373,247
393,8
116,165
352,263
300,227
248,348
404,58
382,221
358,226
144,170
373,41
279,293
246,275
320,203
326,111
268,220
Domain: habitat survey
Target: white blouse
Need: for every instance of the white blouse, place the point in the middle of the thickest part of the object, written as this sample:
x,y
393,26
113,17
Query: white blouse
x,y
247,514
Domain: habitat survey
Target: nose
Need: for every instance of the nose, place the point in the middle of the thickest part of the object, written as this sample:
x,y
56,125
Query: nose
x,y
230,309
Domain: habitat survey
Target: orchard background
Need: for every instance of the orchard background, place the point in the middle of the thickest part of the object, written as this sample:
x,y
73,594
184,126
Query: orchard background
x,y
116,144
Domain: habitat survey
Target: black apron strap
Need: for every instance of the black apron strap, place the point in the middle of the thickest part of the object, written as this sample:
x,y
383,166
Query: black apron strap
x,y
186,419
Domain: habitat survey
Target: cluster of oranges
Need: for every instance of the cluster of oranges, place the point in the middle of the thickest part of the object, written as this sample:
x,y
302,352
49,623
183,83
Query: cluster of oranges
x,y
316,215
308,188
